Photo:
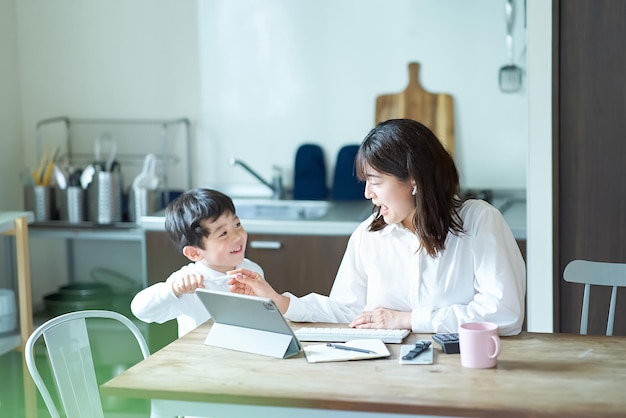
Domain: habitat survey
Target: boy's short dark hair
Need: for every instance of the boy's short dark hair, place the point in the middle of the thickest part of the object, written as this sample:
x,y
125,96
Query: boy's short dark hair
x,y
184,215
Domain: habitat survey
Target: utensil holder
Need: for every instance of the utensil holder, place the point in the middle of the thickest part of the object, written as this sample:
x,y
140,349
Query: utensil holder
x,y
143,202
40,201
71,203
104,198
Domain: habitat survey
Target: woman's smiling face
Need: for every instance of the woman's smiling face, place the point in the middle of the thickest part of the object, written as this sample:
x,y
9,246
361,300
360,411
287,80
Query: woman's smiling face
x,y
393,197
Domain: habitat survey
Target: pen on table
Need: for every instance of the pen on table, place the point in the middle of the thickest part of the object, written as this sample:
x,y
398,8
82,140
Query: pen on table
x,y
345,347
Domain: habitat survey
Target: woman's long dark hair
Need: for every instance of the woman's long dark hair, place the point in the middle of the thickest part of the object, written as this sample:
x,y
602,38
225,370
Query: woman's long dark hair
x,y
408,150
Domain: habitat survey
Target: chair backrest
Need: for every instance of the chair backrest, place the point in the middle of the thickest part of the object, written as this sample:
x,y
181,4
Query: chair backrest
x,y
346,185
309,173
71,361
596,273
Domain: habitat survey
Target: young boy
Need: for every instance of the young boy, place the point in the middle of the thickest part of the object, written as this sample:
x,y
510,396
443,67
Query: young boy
x,y
204,227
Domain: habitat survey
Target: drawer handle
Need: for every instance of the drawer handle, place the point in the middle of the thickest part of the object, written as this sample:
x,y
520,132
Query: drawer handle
x,y
266,245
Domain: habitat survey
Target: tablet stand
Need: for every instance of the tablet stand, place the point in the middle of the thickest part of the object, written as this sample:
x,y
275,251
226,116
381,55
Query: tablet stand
x,y
254,341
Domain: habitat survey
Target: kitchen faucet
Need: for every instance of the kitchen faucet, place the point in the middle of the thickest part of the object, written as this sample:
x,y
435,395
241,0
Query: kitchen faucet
x,y
276,186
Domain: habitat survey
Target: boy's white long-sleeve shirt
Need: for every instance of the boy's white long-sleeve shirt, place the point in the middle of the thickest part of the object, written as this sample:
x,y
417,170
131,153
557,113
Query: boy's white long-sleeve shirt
x,y
480,276
158,303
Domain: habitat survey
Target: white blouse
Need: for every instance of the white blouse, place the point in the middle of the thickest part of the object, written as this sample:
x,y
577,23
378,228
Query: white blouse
x,y
158,303
480,276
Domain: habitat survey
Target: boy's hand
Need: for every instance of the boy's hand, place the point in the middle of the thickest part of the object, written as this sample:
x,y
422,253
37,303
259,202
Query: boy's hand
x,y
248,282
187,284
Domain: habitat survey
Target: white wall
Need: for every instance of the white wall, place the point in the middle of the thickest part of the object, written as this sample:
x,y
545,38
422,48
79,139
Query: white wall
x,y
539,198
278,73
10,126
260,77
112,59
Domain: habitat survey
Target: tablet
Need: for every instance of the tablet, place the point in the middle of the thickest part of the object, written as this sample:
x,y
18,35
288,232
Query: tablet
x,y
248,323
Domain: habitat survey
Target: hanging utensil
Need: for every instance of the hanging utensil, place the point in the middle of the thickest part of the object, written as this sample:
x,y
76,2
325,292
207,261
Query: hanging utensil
x,y
60,177
104,144
75,178
46,176
147,179
151,180
510,74
87,176
39,173
111,158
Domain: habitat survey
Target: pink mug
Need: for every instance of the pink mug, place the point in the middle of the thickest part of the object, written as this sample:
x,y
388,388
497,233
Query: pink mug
x,y
479,344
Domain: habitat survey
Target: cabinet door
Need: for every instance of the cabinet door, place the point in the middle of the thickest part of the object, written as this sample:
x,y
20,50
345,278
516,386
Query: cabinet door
x,y
162,259
298,264
590,199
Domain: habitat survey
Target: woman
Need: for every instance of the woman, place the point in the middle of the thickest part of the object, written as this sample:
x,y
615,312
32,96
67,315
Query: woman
x,y
425,260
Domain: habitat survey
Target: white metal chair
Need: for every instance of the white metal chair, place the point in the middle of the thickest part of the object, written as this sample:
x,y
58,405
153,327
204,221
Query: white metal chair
x,y
596,273
71,361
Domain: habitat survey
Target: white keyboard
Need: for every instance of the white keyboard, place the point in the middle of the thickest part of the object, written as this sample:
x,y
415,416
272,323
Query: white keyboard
x,y
346,334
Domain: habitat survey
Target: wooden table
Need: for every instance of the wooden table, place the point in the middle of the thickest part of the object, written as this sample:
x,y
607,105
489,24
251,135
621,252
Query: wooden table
x,y
537,375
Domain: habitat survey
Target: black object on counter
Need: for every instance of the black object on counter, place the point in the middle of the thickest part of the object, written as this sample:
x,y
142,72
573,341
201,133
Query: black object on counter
x,y
449,342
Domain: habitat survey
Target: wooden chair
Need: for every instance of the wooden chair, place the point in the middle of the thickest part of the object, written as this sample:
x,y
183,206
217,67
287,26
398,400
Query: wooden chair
x,y
71,361
600,274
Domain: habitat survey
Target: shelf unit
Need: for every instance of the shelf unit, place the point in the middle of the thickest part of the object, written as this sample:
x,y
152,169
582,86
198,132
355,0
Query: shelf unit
x,y
168,139
15,224
80,144
74,141
69,234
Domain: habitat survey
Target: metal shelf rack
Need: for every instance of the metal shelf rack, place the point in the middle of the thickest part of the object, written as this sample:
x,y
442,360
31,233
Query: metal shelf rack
x,y
168,139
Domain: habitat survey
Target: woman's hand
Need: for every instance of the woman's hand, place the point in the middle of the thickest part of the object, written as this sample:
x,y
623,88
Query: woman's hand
x,y
187,284
382,318
247,282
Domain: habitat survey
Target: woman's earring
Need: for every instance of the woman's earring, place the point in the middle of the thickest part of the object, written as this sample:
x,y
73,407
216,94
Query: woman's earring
x,y
414,192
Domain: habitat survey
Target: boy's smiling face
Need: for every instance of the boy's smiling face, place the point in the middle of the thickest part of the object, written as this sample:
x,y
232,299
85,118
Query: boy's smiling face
x,y
225,247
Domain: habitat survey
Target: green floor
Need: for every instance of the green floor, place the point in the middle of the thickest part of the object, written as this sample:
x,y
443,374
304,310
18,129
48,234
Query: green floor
x,y
11,386
12,393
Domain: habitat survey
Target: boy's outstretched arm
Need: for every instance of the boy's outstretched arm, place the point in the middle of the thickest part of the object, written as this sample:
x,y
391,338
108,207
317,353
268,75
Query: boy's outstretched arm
x,y
247,282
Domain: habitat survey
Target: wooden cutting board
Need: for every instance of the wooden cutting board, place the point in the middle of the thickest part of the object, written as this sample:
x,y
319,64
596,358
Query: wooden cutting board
x,y
435,110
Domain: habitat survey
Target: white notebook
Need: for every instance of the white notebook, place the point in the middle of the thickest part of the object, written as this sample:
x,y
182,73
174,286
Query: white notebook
x,y
320,353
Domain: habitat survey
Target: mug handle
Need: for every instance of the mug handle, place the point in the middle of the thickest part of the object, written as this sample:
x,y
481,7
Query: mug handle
x,y
496,351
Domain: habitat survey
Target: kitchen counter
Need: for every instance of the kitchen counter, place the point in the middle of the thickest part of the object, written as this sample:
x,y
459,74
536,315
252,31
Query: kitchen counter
x,y
343,217
7,219
512,205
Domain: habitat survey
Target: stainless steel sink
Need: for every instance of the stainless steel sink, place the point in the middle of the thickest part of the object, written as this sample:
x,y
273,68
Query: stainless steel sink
x,y
281,209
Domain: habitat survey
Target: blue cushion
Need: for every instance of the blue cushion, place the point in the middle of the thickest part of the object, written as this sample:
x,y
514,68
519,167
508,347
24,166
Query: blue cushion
x,y
309,181
346,186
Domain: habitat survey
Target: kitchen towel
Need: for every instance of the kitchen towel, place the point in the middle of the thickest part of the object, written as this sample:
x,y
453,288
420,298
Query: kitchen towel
x,y
309,181
346,186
